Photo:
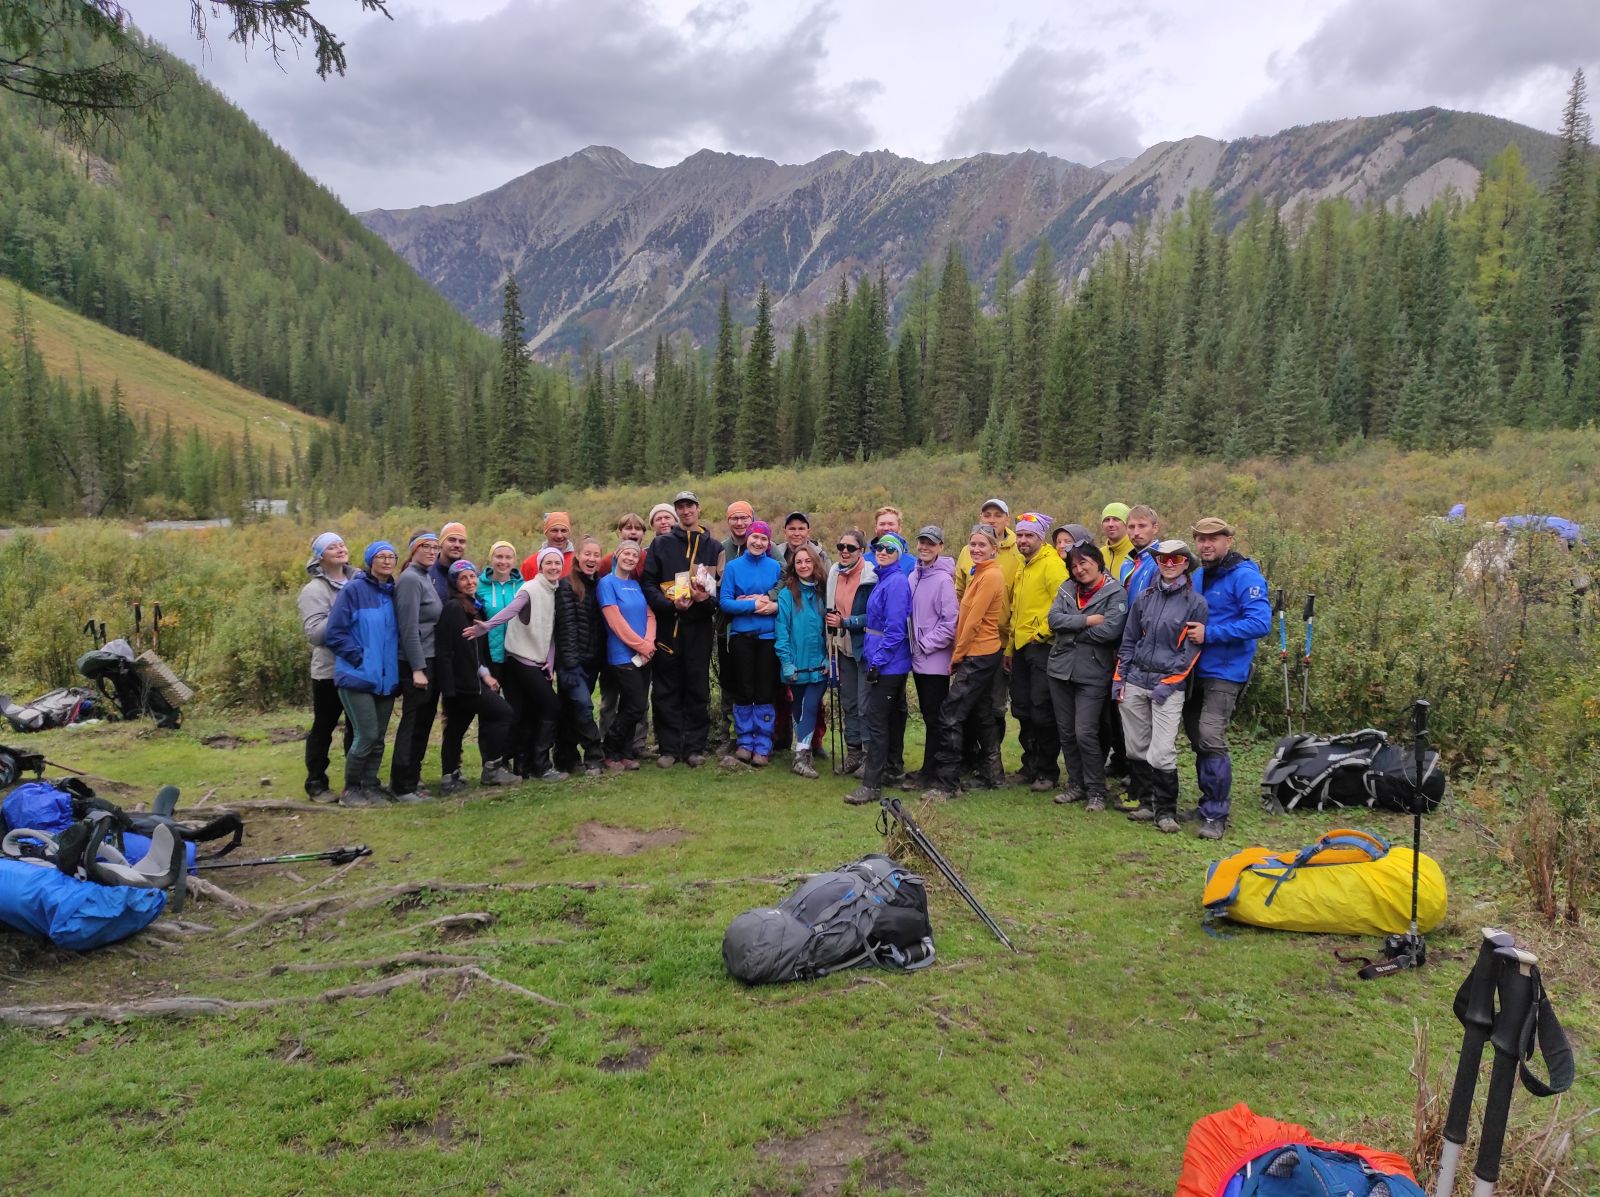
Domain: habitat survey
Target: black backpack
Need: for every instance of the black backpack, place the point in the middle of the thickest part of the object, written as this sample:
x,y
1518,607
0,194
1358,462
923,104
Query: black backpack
x,y
1361,768
869,912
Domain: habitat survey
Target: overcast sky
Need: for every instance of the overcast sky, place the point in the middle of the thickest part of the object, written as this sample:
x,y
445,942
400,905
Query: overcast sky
x,y
454,97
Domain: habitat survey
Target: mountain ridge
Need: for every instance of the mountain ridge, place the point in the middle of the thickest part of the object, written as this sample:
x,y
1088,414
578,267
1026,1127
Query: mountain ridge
x,y
610,253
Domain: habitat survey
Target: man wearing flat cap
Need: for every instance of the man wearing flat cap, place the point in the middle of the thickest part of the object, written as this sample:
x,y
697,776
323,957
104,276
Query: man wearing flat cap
x,y
1239,614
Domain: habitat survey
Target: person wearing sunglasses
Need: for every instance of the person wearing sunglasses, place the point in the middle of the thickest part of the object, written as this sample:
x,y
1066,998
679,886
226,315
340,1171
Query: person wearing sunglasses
x,y
1239,614
1156,657
364,637
1087,618
887,657
850,586
1028,648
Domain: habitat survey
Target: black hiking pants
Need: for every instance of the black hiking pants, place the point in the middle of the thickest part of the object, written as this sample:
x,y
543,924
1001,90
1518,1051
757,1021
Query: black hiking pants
x,y
326,711
418,708
681,683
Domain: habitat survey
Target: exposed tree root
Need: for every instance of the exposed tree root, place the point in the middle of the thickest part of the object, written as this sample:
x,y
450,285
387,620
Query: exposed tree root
x,y
281,804
61,1014
474,920
200,887
431,959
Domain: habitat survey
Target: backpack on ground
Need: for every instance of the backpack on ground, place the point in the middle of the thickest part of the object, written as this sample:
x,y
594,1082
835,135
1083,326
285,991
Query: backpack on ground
x,y
1347,883
59,708
871,911
132,685
54,806
1361,768
1239,1153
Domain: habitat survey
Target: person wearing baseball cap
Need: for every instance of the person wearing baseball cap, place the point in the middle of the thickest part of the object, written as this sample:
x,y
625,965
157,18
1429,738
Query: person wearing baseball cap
x,y
1154,663
796,532
1239,612
933,636
685,628
1118,548
327,572
1032,593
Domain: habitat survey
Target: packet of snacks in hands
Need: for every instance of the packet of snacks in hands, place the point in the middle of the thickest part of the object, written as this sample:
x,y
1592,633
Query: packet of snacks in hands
x,y
680,586
705,578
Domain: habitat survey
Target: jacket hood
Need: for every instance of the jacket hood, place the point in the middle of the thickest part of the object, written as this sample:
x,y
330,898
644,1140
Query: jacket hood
x,y
940,565
315,570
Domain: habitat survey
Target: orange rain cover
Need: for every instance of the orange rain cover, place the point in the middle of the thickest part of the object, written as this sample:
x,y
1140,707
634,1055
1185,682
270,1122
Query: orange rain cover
x,y
1222,1143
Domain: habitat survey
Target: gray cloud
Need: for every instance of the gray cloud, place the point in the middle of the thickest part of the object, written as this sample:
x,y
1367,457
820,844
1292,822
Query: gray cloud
x,y
1371,56
1048,98
434,111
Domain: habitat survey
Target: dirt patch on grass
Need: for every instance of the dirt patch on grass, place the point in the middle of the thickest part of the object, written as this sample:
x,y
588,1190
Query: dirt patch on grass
x,y
635,1059
285,735
291,1050
222,742
439,1129
624,841
823,1162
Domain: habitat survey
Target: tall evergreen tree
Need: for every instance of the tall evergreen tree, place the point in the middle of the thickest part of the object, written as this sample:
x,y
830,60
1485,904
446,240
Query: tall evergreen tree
x,y
953,369
725,390
758,414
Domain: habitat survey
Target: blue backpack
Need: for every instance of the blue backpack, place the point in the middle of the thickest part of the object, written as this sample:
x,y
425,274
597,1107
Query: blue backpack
x,y
1301,1170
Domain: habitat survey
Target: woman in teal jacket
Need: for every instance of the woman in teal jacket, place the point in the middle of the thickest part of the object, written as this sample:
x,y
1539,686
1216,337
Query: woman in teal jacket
x,y
364,637
803,648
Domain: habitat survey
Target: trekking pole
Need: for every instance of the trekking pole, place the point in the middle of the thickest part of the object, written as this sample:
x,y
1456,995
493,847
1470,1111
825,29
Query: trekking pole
x,y
335,856
1283,659
893,807
102,633
155,629
138,628
1305,661
1409,950
1474,1009
89,631
1515,985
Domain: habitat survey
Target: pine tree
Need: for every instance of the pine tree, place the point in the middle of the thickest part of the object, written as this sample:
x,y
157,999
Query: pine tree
x,y
1584,392
511,452
758,414
953,366
725,390
1034,352
592,466
1297,422
1415,420
1569,223
1463,376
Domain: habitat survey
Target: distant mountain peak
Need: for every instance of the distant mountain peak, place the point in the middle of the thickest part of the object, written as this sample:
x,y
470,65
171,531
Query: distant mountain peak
x,y
614,253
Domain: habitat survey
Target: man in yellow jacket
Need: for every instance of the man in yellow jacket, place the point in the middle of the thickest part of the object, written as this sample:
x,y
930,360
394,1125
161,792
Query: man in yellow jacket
x,y
1119,551
974,665
1033,589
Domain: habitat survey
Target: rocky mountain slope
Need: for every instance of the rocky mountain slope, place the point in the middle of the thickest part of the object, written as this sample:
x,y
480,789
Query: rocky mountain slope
x,y
613,253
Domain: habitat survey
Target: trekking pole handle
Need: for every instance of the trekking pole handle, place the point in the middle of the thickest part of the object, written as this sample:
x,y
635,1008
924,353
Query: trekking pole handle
x,y
1309,616
1419,721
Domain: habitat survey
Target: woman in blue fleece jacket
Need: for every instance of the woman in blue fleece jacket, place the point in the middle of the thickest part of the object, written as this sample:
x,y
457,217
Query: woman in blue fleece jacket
x,y
886,657
752,675
364,637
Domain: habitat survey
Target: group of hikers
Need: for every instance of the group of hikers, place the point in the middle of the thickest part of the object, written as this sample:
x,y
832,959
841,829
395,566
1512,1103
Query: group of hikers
x,y
1104,647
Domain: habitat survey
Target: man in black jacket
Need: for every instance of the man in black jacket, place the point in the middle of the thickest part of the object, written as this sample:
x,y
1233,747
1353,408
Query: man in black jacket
x,y
681,672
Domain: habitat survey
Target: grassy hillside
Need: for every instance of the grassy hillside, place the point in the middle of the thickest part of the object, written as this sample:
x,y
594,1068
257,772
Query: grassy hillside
x,y
158,385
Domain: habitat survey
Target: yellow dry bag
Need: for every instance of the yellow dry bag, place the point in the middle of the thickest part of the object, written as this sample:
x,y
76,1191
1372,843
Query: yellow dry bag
x,y
1347,883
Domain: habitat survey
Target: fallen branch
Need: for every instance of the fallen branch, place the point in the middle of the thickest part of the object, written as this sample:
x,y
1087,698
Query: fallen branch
x,y
384,962
475,919
283,804
279,913
62,1014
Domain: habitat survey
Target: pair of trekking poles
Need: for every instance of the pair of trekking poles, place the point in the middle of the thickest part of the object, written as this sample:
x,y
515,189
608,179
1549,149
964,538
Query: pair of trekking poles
x,y
1503,1004
97,631
1308,614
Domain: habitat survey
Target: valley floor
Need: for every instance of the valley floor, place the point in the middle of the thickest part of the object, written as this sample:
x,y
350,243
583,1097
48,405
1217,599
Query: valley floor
x,y
580,1035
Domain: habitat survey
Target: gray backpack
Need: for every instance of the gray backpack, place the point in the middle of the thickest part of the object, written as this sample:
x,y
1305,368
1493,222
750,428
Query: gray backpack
x,y
869,912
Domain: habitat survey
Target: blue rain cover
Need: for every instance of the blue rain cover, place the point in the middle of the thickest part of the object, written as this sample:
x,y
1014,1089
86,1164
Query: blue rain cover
x,y
72,914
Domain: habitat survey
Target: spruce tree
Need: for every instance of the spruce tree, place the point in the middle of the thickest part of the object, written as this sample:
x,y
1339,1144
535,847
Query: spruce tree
x,y
953,366
592,464
725,390
1463,381
1584,392
1568,221
1414,424
758,414
511,455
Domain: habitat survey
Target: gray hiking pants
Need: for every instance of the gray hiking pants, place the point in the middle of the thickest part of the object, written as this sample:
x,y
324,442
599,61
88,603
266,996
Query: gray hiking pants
x,y
1151,728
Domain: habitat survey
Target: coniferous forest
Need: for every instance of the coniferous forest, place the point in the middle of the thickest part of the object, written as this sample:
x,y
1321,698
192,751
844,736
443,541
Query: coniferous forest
x,y
1288,333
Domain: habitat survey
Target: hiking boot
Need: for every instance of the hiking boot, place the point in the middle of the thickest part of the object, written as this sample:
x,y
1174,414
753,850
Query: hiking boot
x,y
495,773
729,762
316,788
412,797
1211,829
451,782
1096,803
359,798
553,774
938,792
802,766
666,760
742,755
854,758
1167,824
1043,785
695,760
630,764
1142,814
759,761
324,795
594,769
1070,795
615,766
1020,778
862,795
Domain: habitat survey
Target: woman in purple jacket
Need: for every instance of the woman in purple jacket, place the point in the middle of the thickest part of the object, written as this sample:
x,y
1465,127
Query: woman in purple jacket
x,y
933,635
886,656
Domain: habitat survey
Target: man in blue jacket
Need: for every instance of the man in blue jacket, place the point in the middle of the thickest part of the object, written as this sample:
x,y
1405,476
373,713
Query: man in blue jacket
x,y
1240,613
